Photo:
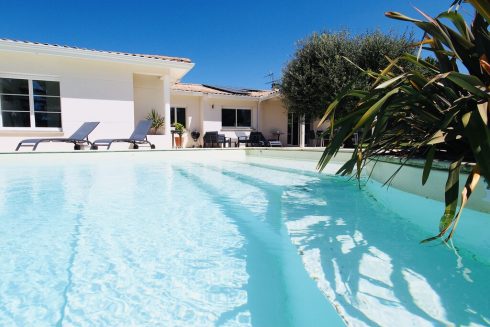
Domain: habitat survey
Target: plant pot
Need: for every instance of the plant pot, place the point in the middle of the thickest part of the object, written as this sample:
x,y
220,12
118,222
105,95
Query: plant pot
x,y
178,141
154,131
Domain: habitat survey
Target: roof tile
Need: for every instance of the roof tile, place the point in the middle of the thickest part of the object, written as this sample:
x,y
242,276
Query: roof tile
x,y
208,89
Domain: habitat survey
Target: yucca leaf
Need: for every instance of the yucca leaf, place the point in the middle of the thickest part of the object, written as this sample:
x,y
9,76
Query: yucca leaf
x,y
411,58
329,110
435,28
469,83
437,33
399,16
375,108
485,65
451,199
338,100
367,72
428,164
386,70
389,82
347,167
484,112
359,164
451,195
443,57
482,7
478,135
418,79
459,22
464,49
333,147
470,186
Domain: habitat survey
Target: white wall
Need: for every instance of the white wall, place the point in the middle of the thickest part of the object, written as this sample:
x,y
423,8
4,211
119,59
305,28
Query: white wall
x,y
193,116
273,117
212,115
148,95
90,91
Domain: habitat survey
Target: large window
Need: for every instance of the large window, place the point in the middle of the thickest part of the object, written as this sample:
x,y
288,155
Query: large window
x,y
177,115
29,103
236,117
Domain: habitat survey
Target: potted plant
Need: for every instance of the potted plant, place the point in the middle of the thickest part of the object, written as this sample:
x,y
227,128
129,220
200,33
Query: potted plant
x,y
157,121
179,129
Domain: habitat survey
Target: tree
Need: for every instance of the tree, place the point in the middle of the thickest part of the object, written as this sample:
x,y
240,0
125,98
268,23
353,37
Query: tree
x,y
444,113
318,70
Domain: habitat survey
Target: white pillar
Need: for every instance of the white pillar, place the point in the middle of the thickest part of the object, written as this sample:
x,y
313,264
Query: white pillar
x,y
166,102
302,131
258,115
202,105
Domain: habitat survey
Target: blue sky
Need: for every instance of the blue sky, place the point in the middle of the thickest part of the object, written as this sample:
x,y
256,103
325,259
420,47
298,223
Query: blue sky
x,y
233,43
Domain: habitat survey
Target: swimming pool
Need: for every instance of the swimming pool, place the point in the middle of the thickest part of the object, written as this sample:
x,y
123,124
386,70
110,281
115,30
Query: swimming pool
x,y
111,241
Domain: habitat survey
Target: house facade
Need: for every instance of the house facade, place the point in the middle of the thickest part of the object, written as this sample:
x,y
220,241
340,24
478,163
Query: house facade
x,y
50,90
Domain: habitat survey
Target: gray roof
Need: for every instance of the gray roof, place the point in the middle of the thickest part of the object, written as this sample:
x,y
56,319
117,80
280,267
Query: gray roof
x,y
210,89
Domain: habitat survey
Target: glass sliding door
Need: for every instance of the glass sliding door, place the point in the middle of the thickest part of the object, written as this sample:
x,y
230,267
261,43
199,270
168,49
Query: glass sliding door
x,y
293,129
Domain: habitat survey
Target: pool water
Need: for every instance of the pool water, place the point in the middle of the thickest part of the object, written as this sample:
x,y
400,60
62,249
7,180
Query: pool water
x,y
176,243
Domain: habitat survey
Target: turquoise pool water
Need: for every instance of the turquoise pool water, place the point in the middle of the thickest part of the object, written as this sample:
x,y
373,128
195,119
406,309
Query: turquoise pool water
x,y
161,242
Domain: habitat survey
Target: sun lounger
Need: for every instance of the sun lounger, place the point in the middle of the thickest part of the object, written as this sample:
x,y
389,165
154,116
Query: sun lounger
x,y
275,143
78,138
257,139
138,137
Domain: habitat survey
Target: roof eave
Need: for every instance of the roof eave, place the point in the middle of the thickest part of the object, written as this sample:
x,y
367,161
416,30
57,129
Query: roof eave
x,y
270,96
91,55
216,96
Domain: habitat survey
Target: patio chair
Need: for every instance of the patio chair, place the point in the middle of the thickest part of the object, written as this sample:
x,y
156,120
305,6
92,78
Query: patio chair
x,y
138,137
213,138
222,139
210,138
242,137
257,139
78,138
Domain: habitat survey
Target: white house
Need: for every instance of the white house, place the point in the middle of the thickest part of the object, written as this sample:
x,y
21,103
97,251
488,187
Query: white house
x,y
49,90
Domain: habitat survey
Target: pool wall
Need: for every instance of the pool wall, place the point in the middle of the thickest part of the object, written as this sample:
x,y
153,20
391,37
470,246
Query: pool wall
x,y
424,204
408,179
420,204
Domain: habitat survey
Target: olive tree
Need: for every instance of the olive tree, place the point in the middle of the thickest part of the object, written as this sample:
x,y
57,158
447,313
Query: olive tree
x,y
318,71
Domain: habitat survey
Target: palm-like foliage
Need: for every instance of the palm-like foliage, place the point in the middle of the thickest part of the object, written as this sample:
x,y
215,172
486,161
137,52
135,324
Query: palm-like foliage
x,y
427,110
157,121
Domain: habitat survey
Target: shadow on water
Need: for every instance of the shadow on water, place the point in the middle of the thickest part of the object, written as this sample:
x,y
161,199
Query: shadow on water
x,y
374,259
266,253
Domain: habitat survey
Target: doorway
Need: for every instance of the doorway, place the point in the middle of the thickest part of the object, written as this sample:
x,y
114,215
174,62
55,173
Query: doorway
x,y
294,128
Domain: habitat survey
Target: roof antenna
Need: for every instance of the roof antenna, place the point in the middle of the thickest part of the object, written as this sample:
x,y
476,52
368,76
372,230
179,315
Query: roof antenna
x,y
272,81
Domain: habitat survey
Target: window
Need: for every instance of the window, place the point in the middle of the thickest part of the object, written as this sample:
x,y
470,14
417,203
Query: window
x,y
236,117
177,115
29,103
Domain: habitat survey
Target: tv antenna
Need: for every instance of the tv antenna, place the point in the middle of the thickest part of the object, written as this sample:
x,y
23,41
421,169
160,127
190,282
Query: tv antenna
x,y
270,77
272,81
